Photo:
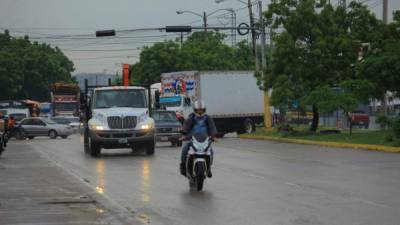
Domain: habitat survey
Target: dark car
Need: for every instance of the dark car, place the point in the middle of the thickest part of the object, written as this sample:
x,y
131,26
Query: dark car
x,y
35,126
168,127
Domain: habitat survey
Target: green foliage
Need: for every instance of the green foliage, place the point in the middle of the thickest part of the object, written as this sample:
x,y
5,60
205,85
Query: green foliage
x,y
395,126
315,56
202,51
27,70
382,120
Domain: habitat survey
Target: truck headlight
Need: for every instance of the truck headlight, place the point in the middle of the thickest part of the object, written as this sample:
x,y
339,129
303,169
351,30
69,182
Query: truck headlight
x,y
96,127
146,126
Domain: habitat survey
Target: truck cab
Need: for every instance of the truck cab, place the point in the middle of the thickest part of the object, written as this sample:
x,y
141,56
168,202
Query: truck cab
x,y
181,104
118,117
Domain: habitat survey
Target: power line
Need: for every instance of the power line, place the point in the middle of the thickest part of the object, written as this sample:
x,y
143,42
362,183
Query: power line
x,y
102,50
105,57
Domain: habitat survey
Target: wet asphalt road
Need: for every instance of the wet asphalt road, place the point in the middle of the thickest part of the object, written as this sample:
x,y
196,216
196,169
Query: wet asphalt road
x,y
255,182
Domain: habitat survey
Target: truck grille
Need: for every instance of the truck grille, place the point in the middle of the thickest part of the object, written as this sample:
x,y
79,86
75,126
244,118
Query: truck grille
x,y
129,122
116,122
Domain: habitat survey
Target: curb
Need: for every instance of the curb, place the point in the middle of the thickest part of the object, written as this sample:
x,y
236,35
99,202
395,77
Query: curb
x,y
380,148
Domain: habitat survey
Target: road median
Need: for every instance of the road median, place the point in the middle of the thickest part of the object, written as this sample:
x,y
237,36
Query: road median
x,y
371,147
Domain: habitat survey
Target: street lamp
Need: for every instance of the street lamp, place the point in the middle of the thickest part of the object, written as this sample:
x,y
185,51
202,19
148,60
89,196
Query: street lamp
x,y
204,16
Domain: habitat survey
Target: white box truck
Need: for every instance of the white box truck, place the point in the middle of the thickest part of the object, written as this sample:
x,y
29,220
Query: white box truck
x,y
233,98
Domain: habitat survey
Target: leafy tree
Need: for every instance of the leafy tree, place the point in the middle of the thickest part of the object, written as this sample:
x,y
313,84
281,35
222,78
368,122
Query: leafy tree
x,y
202,51
27,70
381,62
315,53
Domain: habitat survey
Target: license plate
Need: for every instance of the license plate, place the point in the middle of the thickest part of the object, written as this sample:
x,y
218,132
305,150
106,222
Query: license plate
x,y
122,140
164,138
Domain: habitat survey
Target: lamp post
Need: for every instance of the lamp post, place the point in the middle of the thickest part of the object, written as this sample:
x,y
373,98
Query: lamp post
x,y
267,112
203,16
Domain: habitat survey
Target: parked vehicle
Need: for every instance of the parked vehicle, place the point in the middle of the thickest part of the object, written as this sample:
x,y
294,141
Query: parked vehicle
x,y
117,117
18,109
198,162
18,116
34,127
360,118
167,127
70,121
46,109
65,99
233,98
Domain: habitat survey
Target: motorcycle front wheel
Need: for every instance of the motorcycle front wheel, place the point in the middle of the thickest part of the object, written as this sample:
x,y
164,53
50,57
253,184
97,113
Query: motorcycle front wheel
x,y
199,178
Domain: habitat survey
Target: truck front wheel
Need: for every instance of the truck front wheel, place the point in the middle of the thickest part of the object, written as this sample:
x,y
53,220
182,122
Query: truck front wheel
x,y
149,147
94,148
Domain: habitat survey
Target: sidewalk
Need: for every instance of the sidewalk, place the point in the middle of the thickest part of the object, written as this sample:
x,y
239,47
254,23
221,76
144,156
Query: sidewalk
x,y
380,148
34,191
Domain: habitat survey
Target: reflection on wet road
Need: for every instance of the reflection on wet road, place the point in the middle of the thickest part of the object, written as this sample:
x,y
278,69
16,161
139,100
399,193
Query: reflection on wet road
x,y
145,181
254,183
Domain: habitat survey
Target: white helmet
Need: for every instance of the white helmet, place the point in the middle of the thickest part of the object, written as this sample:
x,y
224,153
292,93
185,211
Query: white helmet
x,y
199,107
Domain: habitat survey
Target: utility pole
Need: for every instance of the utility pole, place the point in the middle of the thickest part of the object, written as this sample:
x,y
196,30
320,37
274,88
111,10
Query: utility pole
x,y
267,111
253,35
233,32
263,60
205,21
385,11
181,39
385,20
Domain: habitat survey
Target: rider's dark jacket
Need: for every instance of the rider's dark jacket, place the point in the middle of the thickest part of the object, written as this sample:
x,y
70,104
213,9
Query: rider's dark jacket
x,y
193,127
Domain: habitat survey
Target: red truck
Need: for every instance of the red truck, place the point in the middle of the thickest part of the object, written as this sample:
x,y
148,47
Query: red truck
x,y
65,99
360,118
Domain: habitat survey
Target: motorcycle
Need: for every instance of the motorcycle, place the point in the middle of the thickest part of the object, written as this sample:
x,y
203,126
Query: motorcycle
x,y
198,162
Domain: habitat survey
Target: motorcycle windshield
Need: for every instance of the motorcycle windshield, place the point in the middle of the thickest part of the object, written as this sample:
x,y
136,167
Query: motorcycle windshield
x,y
200,137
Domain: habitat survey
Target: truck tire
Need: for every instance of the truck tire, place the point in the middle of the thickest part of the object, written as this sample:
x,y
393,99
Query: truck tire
x,y
149,147
86,140
247,127
94,148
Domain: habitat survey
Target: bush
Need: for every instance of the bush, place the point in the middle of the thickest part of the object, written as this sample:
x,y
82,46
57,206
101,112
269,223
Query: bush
x,y
395,126
284,127
383,121
389,138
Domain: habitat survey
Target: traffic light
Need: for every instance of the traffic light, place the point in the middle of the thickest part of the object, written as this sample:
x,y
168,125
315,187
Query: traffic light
x,y
176,29
105,33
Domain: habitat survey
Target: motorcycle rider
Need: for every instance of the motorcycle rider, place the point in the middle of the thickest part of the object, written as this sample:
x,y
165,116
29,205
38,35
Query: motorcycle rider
x,y
199,125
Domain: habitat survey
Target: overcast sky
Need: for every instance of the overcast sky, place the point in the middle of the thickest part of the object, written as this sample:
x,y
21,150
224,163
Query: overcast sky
x,y
48,18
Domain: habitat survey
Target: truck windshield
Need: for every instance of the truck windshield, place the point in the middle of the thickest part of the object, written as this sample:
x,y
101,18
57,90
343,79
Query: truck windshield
x,y
170,101
66,106
134,98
